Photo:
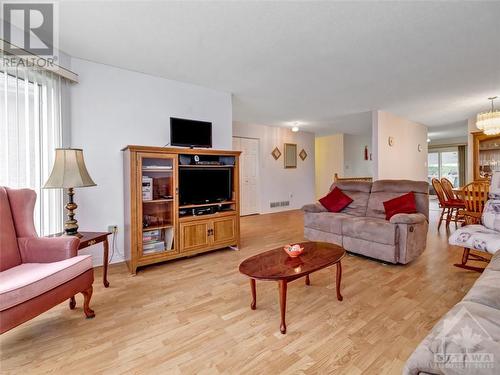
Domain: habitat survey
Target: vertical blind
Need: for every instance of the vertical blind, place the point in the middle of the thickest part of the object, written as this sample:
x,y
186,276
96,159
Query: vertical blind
x,y
30,115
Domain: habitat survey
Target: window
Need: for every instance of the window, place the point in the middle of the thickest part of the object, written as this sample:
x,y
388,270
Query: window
x,y
30,130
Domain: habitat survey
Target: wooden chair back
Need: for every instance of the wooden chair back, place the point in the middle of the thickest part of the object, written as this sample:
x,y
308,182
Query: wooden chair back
x,y
336,178
438,188
448,188
475,196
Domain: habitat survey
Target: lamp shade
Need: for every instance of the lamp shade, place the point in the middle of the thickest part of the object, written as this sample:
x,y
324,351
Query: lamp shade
x,y
69,170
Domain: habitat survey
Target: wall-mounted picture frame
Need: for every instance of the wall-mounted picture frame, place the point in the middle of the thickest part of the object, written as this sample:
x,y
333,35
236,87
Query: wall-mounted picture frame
x,y
303,154
276,153
290,150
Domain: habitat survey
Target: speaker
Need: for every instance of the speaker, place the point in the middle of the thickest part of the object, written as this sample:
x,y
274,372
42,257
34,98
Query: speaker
x,y
185,159
227,160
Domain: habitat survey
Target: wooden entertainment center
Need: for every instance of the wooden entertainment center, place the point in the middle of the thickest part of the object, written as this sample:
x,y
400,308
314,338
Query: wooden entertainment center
x,y
157,227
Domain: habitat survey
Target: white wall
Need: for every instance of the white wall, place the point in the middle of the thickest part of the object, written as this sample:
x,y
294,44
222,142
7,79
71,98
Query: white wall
x,y
276,182
329,160
355,164
402,160
111,108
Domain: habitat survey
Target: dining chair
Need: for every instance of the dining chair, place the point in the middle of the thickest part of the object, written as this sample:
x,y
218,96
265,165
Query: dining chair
x,y
474,196
449,207
448,189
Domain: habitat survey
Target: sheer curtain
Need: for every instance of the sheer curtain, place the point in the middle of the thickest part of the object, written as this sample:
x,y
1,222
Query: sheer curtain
x,y
30,113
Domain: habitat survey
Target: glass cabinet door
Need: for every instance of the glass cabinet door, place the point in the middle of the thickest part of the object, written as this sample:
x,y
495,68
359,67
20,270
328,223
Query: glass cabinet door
x,y
157,204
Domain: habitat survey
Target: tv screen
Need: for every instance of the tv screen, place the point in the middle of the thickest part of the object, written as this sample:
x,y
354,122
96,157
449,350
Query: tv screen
x,y
204,185
190,133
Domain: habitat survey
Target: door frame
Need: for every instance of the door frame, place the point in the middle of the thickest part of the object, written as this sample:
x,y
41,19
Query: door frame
x,y
257,176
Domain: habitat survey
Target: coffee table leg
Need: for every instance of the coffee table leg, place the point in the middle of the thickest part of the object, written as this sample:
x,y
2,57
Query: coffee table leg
x,y
308,282
283,286
105,263
338,279
253,305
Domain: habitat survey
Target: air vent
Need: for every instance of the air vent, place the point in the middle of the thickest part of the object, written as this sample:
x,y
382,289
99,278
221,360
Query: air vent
x,y
279,204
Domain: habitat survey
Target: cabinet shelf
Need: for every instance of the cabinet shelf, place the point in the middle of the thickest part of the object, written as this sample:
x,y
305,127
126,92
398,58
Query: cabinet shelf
x,y
208,216
158,200
207,204
156,227
205,166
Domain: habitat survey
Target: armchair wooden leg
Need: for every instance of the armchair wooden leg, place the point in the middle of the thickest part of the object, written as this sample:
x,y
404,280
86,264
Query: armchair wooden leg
x,y
87,295
72,303
465,258
465,255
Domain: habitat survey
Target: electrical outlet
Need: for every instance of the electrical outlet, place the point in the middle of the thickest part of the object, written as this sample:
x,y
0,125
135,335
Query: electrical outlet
x,y
113,228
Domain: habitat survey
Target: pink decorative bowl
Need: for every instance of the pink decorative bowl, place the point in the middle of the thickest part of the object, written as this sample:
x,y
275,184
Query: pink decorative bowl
x,y
293,251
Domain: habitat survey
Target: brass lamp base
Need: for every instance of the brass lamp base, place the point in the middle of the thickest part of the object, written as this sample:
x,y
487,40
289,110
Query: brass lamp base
x,y
71,225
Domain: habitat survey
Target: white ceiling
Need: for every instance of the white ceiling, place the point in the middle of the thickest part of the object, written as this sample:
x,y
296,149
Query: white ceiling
x,y
314,62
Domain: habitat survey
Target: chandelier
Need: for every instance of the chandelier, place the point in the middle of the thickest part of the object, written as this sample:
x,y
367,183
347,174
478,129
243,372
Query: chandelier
x,y
489,122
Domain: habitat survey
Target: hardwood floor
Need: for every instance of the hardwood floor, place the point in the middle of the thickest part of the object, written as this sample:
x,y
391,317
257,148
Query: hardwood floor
x,y
193,316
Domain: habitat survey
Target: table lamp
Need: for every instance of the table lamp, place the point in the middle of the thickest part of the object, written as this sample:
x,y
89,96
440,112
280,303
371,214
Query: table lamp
x,y
69,172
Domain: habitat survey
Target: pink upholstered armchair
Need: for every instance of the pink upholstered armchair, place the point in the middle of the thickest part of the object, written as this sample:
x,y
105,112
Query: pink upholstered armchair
x,y
36,273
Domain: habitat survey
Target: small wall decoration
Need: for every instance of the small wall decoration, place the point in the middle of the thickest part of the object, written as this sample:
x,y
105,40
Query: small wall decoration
x,y
290,155
303,154
366,152
391,141
276,153
419,147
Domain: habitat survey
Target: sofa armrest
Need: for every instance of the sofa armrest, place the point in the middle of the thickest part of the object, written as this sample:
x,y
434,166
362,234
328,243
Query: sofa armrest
x,y
314,208
408,218
47,249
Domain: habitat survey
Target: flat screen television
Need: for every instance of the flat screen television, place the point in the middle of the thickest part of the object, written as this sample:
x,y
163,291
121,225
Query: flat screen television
x,y
190,133
205,185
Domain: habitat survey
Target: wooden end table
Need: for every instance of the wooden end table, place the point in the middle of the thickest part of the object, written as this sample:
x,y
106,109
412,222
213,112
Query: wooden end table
x,y
88,239
276,265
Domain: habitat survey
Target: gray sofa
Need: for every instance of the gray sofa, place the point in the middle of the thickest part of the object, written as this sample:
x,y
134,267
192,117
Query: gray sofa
x,y
362,228
467,339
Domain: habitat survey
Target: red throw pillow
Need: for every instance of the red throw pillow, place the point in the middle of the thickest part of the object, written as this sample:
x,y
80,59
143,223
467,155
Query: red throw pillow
x,y
405,204
336,200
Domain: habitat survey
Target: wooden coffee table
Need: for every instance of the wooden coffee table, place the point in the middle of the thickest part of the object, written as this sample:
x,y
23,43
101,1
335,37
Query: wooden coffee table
x,y
276,265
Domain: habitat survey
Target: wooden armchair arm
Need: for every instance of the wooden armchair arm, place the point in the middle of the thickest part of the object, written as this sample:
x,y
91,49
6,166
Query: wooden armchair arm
x,y
471,217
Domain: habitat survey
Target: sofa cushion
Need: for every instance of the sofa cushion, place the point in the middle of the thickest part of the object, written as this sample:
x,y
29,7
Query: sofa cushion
x,y
443,350
325,221
476,237
495,262
335,200
490,217
9,251
384,190
404,204
486,290
359,192
28,280
370,229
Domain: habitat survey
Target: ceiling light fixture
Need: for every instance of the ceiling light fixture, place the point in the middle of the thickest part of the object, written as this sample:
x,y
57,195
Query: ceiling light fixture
x,y
489,122
295,127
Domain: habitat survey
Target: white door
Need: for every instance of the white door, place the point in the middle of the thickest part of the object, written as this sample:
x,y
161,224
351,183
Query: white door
x,y
249,174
